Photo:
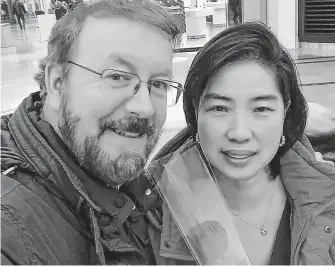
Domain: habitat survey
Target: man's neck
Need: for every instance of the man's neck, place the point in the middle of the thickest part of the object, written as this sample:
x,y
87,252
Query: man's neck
x,y
50,117
247,195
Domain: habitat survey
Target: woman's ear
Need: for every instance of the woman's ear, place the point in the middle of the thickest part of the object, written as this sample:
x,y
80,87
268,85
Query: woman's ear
x,y
196,108
54,75
287,106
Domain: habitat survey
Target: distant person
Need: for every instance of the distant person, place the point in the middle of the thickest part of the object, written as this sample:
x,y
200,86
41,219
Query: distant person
x,y
4,10
19,11
234,6
60,9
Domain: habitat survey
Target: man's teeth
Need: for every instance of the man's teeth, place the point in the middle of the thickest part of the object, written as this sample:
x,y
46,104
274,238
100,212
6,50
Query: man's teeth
x,y
126,133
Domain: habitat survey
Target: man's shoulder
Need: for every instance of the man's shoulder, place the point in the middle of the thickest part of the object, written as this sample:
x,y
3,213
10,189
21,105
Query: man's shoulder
x,y
34,231
6,137
16,241
18,202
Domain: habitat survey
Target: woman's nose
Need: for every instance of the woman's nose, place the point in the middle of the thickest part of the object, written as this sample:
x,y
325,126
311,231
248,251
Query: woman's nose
x,y
239,129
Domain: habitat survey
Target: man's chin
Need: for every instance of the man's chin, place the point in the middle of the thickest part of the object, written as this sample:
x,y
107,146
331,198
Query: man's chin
x,y
126,167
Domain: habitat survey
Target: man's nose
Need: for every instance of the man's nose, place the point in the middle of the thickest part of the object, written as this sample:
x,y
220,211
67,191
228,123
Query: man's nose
x,y
141,102
239,129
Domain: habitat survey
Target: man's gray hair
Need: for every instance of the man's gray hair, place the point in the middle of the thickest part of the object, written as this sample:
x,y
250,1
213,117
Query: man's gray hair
x,y
66,30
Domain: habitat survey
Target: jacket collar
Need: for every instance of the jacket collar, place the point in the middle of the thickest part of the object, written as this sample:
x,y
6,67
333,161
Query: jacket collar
x,y
310,186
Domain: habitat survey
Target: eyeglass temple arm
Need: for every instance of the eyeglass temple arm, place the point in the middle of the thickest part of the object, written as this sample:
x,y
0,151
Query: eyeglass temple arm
x,y
88,69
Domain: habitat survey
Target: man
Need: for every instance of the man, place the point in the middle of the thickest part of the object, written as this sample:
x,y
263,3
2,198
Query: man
x,y
60,8
4,9
19,11
234,6
70,153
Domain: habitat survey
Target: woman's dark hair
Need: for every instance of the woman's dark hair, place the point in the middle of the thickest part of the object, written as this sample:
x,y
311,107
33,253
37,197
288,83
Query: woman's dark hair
x,y
251,41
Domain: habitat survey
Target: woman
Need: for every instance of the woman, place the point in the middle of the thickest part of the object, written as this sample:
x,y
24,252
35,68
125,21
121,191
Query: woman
x,y
243,102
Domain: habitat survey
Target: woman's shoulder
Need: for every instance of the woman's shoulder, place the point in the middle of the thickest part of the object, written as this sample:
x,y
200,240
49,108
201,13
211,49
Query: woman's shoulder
x,y
306,179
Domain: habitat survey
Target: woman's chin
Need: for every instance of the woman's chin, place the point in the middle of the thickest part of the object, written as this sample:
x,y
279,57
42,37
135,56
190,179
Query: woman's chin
x,y
236,174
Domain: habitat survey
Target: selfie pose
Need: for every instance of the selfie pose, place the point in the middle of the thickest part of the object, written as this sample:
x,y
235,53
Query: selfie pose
x,y
66,150
73,154
244,105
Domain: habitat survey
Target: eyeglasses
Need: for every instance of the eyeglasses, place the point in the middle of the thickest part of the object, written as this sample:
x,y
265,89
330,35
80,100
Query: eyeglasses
x,y
158,88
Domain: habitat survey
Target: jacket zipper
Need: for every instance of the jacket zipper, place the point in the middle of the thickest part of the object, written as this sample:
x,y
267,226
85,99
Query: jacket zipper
x,y
153,220
175,258
295,257
10,170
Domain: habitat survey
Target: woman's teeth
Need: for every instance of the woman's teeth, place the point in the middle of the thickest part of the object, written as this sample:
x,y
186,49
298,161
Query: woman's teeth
x,y
235,156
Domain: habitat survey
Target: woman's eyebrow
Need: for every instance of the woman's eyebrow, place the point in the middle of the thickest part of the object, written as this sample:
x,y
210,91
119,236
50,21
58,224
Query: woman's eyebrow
x,y
269,97
215,96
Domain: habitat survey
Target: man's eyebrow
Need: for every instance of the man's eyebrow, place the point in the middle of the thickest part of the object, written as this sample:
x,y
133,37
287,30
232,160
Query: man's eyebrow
x,y
215,96
122,61
167,73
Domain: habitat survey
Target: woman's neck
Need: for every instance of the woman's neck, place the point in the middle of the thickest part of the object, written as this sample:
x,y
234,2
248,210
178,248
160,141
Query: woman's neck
x,y
243,196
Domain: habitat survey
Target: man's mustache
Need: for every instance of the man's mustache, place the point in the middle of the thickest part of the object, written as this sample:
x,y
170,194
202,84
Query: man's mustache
x,y
142,126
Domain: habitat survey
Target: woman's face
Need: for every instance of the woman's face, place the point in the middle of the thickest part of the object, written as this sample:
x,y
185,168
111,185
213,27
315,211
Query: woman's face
x,y
240,120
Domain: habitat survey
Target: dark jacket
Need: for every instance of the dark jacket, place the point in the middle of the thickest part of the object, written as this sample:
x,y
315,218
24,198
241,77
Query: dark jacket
x,y
54,213
18,8
311,192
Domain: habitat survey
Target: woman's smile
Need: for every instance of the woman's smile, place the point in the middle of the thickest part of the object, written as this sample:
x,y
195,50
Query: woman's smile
x,y
238,157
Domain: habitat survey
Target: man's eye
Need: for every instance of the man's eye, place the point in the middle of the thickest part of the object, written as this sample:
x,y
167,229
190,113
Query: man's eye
x,y
219,108
118,77
160,85
262,109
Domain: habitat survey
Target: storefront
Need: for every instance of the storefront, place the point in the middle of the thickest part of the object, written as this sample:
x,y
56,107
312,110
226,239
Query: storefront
x,y
316,21
33,5
292,21
198,15
295,21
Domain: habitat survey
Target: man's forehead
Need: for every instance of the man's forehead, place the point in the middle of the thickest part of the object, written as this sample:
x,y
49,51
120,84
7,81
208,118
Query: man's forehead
x,y
104,41
121,31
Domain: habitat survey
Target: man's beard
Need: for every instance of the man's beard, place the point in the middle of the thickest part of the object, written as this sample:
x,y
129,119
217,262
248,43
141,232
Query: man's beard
x,y
127,166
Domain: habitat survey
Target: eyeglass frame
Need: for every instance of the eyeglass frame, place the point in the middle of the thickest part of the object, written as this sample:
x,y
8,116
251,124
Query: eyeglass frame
x,y
180,88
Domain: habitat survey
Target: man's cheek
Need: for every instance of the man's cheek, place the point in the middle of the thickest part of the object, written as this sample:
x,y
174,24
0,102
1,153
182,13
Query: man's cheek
x,y
86,128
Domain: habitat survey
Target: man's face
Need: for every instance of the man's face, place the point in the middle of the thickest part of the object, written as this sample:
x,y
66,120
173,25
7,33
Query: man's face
x,y
111,130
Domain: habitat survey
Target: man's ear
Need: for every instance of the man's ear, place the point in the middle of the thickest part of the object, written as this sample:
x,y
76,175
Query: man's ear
x,y
54,75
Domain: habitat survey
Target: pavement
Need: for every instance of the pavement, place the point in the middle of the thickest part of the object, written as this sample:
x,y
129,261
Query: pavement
x,y
315,63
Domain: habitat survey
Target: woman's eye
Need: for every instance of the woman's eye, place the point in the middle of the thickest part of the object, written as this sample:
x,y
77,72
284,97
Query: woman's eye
x,y
262,109
219,109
